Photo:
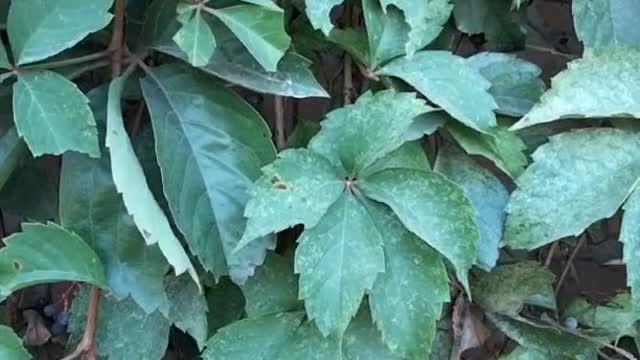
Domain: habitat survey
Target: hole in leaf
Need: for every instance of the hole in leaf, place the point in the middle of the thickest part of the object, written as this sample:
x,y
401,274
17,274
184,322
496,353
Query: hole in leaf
x,y
276,183
280,185
17,266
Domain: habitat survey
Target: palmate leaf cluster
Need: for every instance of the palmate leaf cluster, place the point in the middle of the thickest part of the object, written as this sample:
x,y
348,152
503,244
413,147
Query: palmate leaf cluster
x,y
177,221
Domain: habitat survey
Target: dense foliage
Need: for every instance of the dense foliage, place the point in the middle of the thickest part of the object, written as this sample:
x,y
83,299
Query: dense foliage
x,y
423,218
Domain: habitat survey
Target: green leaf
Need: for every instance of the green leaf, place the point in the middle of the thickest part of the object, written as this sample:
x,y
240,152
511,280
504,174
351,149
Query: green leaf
x,y
38,28
406,300
161,24
11,345
297,188
354,41
494,18
91,206
196,40
282,336
226,304
261,31
487,194
425,202
31,192
387,32
211,134
253,339
503,147
53,115
269,4
293,77
408,156
630,237
547,340
522,353
614,319
426,124
308,42
506,289
575,180
231,61
4,60
147,335
144,146
43,254
606,23
187,307
318,12
338,260
425,19
449,82
309,343
273,289
12,148
4,11
131,183
604,83
355,136
302,134
443,342
517,3
361,341
515,83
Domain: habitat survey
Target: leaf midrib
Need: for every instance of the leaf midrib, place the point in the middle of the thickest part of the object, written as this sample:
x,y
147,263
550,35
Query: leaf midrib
x,y
165,93
47,124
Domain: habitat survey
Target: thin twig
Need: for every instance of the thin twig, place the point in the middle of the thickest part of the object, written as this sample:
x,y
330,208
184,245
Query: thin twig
x,y
457,43
552,251
565,271
278,106
137,120
551,51
89,67
560,329
605,356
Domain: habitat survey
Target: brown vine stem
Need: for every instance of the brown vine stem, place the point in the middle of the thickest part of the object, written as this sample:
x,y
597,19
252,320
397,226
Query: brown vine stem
x,y
565,271
349,15
116,38
87,345
278,107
